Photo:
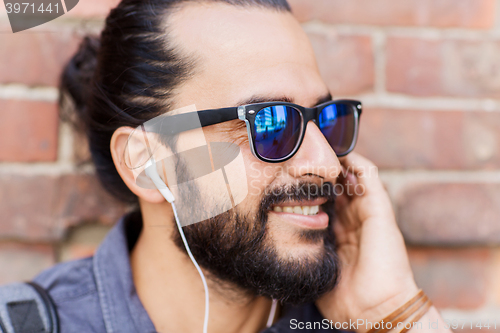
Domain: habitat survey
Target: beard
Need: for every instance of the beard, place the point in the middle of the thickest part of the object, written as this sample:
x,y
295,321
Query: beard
x,y
237,250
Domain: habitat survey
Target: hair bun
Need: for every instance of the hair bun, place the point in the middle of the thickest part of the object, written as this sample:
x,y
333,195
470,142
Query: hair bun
x,y
76,81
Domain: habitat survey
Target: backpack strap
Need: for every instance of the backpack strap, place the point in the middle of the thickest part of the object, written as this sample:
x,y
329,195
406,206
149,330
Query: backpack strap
x,y
27,308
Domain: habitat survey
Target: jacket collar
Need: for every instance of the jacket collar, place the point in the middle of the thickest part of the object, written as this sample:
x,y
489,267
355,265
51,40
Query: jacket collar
x,y
122,309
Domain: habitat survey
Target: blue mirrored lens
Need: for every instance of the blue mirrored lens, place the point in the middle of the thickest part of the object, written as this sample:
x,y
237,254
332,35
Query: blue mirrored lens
x,y
338,123
277,131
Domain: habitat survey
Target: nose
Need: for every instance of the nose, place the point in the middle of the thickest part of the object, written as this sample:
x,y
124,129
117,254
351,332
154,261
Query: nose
x,y
315,157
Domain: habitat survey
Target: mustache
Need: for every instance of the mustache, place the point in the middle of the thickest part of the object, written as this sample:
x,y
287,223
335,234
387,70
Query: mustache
x,y
301,191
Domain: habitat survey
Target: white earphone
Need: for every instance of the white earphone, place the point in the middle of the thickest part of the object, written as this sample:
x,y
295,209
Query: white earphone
x,y
152,173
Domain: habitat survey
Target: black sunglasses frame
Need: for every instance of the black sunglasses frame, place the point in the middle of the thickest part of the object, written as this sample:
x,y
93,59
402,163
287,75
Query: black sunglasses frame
x,y
176,124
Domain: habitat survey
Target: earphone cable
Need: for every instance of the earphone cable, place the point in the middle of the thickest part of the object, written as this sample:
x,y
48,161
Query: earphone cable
x,y
205,321
272,313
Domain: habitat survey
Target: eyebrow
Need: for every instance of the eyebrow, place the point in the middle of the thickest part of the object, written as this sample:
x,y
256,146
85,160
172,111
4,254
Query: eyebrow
x,y
286,99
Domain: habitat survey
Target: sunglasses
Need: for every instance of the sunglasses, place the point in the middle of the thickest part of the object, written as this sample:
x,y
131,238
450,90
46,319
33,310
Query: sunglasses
x,y
276,129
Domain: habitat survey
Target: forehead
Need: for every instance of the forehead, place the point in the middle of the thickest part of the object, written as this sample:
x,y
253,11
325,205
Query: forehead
x,y
242,52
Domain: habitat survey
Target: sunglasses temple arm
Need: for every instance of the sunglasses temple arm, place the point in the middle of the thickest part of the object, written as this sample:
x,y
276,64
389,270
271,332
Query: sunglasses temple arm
x,y
172,125
217,116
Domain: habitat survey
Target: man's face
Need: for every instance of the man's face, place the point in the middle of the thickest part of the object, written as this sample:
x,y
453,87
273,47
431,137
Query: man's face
x,y
251,55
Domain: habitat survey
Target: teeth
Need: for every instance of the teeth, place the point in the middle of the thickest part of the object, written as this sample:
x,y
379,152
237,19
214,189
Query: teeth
x,y
303,210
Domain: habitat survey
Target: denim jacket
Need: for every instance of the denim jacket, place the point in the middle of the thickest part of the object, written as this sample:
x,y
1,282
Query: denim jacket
x,y
98,295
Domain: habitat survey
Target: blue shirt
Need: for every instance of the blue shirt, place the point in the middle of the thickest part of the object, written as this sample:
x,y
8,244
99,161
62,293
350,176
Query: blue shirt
x,y
98,295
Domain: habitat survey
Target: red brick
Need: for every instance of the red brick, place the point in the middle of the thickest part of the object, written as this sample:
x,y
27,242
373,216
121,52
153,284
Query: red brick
x,y
35,58
4,24
346,62
409,139
495,277
21,262
28,131
452,278
41,208
450,214
445,13
93,8
462,68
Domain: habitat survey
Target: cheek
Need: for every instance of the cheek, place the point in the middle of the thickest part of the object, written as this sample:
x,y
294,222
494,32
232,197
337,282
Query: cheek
x,y
259,174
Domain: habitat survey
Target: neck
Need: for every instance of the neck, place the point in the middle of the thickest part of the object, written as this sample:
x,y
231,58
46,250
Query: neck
x,y
171,289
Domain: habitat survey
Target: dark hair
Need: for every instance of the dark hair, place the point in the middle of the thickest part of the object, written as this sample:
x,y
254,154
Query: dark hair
x,y
127,76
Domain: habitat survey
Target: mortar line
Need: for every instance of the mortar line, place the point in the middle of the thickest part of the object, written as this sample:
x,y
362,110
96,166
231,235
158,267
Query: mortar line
x,y
392,100
65,149
422,32
22,91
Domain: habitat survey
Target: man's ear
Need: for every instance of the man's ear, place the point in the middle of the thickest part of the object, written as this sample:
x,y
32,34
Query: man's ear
x,y
119,151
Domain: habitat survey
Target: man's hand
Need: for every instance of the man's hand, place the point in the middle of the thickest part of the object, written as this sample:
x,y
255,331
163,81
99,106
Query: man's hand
x,y
376,277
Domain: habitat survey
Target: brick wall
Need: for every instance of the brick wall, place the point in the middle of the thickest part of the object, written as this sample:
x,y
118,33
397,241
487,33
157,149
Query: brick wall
x,y
428,72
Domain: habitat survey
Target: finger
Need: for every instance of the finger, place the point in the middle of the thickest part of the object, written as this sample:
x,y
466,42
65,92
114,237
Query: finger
x,y
346,211
347,182
340,232
365,171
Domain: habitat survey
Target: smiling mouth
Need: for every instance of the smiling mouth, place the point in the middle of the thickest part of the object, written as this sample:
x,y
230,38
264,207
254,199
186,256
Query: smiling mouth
x,y
308,208
302,210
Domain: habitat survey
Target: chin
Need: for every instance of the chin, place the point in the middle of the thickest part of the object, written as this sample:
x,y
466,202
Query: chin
x,y
301,246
